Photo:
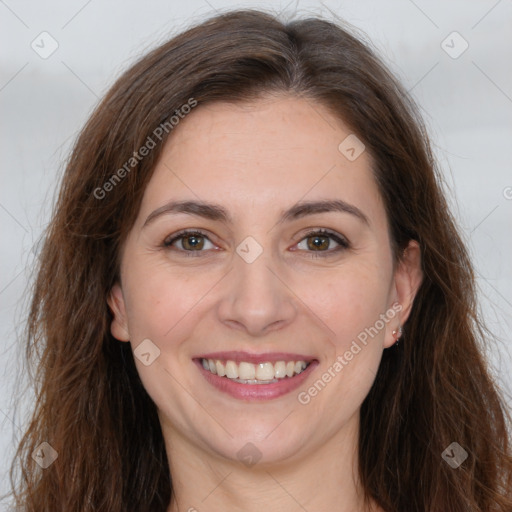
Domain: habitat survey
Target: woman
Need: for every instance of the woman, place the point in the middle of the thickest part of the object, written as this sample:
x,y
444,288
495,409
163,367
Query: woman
x,y
252,294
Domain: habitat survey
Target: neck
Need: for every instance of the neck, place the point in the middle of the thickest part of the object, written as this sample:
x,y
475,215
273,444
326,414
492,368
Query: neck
x,y
325,478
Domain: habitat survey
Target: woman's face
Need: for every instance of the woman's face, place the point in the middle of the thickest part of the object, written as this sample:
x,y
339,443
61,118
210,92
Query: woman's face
x,y
287,264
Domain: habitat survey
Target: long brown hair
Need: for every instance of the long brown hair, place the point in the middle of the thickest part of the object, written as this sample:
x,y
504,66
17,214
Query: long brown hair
x,y
431,390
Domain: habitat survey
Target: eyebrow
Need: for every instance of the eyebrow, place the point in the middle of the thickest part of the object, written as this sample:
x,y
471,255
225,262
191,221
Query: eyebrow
x,y
217,212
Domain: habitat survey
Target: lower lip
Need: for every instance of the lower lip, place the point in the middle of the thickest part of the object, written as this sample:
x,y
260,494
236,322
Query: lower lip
x,y
252,392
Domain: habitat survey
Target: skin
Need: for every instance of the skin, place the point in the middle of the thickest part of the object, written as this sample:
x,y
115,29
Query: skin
x,y
257,159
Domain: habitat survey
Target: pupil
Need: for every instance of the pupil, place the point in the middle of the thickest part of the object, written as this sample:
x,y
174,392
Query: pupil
x,y
193,242
320,242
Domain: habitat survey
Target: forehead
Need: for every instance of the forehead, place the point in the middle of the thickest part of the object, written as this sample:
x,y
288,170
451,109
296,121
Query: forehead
x,y
254,156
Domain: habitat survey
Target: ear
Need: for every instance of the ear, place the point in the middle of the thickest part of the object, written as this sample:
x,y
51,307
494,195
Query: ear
x,y
119,326
407,280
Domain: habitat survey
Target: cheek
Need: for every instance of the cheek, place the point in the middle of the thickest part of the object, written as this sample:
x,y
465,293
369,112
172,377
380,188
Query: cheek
x,y
166,308
350,301
159,299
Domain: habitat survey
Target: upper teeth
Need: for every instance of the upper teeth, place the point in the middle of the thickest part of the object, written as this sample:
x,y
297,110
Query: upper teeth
x,y
254,372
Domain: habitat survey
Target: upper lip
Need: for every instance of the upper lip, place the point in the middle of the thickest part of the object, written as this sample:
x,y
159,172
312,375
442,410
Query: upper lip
x,y
240,356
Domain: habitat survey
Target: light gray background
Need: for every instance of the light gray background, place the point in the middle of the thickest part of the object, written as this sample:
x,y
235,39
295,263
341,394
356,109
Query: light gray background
x,y
467,103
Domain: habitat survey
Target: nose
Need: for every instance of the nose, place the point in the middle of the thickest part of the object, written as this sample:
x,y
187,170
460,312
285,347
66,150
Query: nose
x,y
256,298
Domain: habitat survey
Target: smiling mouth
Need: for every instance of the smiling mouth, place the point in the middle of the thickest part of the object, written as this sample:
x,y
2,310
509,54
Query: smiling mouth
x,y
245,372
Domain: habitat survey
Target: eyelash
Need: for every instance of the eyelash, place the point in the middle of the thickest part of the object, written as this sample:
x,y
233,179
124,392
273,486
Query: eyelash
x,y
342,242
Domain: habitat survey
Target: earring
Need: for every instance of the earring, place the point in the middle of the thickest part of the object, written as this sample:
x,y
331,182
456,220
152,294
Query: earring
x,y
398,334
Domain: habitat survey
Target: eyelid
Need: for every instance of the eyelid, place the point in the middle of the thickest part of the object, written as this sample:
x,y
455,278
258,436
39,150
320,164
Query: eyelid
x,y
321,231
169,240
341,240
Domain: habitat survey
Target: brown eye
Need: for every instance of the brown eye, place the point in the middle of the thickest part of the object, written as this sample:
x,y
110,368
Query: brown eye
x,y
192,242
322,241
188,242
318,242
